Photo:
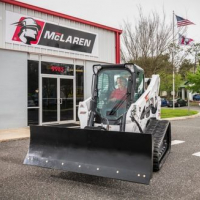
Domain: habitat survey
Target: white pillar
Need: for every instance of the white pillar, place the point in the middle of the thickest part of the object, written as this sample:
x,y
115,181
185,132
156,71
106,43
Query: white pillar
x,y
183,93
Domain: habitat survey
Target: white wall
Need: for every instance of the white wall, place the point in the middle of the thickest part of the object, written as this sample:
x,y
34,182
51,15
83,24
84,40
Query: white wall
x,y
13,89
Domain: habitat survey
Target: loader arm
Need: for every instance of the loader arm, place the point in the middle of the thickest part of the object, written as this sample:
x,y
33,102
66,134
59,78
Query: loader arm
x,y
83,112
147,106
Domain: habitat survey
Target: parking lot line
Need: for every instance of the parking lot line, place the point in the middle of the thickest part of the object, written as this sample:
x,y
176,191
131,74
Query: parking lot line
x,y
177,142
196,154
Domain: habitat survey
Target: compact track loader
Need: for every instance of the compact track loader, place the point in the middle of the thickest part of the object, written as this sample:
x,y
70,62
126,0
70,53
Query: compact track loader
x,y
121,135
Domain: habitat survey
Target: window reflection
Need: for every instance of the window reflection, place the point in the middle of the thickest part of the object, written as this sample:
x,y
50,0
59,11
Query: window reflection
x,y
66,99
49,99
33,116
79,86
33,91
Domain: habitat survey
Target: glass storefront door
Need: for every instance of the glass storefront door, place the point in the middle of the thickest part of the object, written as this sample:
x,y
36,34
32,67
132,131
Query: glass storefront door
x,y
66,99
54,92
57,100
49,100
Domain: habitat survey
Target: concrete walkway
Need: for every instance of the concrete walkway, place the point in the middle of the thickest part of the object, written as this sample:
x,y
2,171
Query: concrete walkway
x,y
21,133
14,134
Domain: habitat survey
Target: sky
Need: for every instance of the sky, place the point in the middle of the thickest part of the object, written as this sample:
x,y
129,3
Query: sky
x,y
114,12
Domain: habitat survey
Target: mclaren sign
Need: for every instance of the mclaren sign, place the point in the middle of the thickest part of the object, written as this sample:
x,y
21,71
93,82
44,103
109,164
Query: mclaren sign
x,y
31,31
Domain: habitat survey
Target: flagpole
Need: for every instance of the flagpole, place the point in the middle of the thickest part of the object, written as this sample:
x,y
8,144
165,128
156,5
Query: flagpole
x,y
173,62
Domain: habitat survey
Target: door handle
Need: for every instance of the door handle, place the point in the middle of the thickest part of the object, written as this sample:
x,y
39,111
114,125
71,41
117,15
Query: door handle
x,y
60,100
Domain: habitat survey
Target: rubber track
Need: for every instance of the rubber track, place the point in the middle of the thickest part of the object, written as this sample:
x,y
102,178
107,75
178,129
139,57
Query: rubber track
x,y
159,129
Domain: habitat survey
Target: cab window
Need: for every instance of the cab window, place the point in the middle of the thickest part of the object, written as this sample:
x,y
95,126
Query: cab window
x,y
139,88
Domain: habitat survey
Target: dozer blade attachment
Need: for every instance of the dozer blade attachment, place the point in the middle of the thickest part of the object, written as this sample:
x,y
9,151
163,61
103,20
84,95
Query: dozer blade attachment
x,y
119,155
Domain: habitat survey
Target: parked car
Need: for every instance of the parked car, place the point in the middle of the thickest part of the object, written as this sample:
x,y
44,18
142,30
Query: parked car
x,y
178,103
196,97
164,102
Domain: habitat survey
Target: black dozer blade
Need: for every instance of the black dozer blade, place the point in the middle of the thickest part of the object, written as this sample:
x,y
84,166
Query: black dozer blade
x,y
119,155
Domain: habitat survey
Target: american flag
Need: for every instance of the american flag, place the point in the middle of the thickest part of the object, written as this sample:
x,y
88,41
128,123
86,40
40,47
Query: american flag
x,y
183,22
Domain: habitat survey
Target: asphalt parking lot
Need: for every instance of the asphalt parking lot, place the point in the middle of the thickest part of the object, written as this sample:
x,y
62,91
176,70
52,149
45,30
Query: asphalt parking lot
x,y
178,179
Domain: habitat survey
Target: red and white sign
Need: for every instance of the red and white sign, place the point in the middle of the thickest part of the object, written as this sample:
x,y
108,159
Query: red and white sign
x,y
26,30
32,31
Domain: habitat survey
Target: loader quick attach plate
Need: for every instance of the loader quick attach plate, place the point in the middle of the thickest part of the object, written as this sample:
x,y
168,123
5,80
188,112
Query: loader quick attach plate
x,y
119,155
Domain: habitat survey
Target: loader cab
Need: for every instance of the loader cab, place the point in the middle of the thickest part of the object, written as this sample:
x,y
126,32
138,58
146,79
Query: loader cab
x,y
115,88
112,93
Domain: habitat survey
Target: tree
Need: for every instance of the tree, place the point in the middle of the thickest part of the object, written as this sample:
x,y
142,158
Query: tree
x,y
166,83
193,77
148,42
162,65
194,81
195,52
185,68
149,38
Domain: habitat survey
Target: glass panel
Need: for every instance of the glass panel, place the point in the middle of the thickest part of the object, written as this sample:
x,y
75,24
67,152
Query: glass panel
x,y
66,99
33,116
49,99
112,93
33,92
139,89
79,87
57,68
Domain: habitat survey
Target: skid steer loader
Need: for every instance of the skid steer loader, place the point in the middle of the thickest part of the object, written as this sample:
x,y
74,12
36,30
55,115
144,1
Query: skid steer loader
x,y
121,135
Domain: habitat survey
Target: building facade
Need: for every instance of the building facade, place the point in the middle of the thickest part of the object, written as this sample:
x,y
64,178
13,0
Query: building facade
x,y
46,61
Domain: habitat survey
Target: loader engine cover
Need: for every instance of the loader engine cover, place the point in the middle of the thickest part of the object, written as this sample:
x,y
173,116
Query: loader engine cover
x,y
119,155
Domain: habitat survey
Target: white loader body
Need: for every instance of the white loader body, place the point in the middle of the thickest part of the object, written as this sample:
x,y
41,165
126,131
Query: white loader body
x,y
148,99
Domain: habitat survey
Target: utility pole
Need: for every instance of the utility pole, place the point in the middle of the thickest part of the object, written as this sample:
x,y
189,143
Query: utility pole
x,y
195,60
173,63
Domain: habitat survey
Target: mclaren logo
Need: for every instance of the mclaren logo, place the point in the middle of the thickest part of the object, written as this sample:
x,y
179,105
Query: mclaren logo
x,y
27,30
68,39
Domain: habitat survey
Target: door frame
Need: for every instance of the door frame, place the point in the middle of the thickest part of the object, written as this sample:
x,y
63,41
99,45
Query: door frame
x,y
58,77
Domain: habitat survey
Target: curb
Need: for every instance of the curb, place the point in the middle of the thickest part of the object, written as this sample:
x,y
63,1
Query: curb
x,y
181,118
13,139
